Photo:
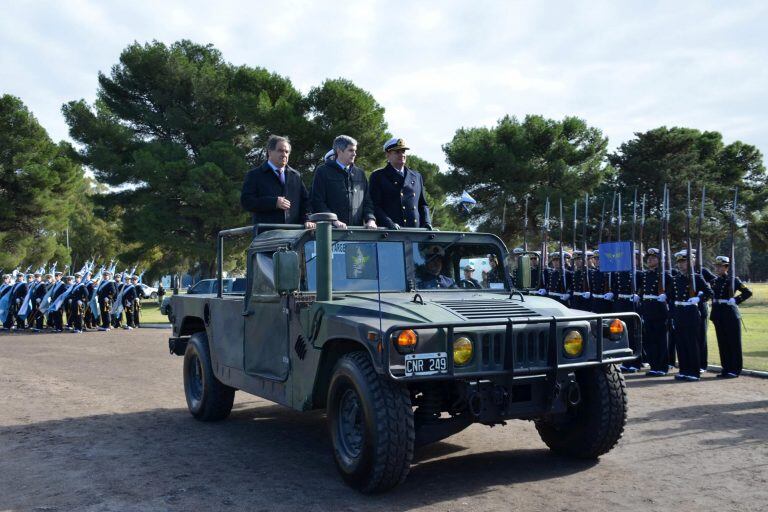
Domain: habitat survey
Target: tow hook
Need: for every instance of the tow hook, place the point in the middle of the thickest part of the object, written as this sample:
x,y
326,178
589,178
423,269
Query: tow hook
x,y
573,396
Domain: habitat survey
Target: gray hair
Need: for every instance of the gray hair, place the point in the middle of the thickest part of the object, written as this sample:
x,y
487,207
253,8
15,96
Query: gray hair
x,y
274,140
342,142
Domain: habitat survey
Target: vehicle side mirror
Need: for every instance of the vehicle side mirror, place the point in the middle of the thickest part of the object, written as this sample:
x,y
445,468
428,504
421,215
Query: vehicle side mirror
x,y
519,267
287,276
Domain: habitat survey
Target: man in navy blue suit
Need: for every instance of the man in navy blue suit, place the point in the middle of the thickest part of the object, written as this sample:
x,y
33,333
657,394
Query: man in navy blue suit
x,y
397,192
273,192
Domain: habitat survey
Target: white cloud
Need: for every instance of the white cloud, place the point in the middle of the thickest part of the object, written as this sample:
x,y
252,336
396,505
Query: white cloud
x,y
435,66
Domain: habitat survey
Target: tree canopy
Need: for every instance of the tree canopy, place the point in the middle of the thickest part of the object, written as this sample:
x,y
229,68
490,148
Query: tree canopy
x,y
39,188
537,158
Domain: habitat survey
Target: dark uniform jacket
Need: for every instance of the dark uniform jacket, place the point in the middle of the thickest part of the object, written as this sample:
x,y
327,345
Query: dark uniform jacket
x,y
679,287
79,293
649,287
553,281
399,200
343,193
109,290
19,292
132,293
59,288
261,189
721,290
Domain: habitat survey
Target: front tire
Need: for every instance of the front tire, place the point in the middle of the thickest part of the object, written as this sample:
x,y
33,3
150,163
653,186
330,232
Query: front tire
x,y
596,424
208,399
371,425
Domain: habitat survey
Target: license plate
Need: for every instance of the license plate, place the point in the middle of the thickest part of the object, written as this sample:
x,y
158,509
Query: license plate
x,y
426,364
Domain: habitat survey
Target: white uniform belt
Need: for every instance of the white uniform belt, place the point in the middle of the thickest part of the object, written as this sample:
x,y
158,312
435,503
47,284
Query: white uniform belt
x,y
625,295
560,296
721,301
650,297
683,303
599,296
579,294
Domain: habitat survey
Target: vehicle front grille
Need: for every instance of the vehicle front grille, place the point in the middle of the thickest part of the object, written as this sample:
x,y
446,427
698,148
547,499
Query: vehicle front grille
x,y
528,350
487,309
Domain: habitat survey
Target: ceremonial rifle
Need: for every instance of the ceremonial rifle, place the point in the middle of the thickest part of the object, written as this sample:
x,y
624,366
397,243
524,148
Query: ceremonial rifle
x,y
662,244
689,248
562,256
666,231
584,242
611,219
525,227
633,267
640,239
732,265
699,245
544,233
575,214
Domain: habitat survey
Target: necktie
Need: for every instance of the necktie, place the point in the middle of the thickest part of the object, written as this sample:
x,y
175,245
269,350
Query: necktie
x,y
281,175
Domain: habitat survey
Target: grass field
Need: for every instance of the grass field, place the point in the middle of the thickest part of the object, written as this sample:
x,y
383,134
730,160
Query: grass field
x,y
754,333
150,312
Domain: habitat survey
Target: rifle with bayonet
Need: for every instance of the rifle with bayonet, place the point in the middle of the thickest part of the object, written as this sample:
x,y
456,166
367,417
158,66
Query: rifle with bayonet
x,y
640,248
633,267
689,246
544,241
562,254
525,226
584,243
575,214
662,243
699,243
732,265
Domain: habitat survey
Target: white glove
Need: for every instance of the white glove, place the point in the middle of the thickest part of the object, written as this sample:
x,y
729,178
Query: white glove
x,y
635,298
586,295
38,300
732,301
542,291
662,297
566,296
608,296
694,300
701,294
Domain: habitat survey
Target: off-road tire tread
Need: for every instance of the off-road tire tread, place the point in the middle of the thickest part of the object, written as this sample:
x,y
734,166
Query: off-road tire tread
x,y
601,424
395,432
217,405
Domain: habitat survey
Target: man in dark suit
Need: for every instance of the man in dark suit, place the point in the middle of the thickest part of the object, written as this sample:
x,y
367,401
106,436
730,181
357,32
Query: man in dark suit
x,y
340,187
274,192
397,192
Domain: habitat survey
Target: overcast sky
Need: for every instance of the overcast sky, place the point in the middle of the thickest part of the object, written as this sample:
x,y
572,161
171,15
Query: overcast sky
x,y
435,66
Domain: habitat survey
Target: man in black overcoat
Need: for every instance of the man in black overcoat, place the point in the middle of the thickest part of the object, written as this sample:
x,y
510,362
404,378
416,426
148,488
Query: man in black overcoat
x,y
273,192
340,187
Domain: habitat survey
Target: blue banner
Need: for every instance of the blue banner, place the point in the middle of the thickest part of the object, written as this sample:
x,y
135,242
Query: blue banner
x,y
616,256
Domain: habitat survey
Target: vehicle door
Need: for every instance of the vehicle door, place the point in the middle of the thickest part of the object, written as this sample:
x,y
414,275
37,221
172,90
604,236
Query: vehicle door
x,y
265,330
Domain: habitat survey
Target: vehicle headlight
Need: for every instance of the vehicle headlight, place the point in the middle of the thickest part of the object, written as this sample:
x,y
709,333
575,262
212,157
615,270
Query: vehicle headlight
x,y
462,351
573,343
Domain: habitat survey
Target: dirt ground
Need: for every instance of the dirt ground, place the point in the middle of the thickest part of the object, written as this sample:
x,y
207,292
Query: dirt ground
x,y
98,421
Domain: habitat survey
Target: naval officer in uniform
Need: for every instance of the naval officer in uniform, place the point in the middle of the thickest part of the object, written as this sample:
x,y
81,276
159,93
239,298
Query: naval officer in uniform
x,y
397,191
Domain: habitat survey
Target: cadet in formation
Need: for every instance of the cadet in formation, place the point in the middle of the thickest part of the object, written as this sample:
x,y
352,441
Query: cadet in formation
x,y
727,318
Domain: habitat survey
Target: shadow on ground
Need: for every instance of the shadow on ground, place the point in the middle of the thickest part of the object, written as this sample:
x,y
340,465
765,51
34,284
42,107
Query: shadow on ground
x,y
263,456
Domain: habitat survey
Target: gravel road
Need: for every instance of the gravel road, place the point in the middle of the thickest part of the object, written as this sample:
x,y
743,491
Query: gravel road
x,y
98,421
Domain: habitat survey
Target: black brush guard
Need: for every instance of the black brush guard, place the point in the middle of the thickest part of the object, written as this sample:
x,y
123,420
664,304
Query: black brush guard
x,y
553,363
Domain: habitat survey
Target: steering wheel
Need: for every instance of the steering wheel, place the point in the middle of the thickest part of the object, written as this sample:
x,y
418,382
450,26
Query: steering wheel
x,y
466,283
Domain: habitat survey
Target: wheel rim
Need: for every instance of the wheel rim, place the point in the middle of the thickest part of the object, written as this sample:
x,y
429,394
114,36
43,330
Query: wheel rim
x,y
350,424
195,374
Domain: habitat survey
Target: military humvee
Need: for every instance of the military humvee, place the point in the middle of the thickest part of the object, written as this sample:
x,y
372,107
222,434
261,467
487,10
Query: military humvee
x,y
401,345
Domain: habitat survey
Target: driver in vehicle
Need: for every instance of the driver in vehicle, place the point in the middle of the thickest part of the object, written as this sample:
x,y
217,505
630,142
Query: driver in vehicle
x,y
468,281
431,274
